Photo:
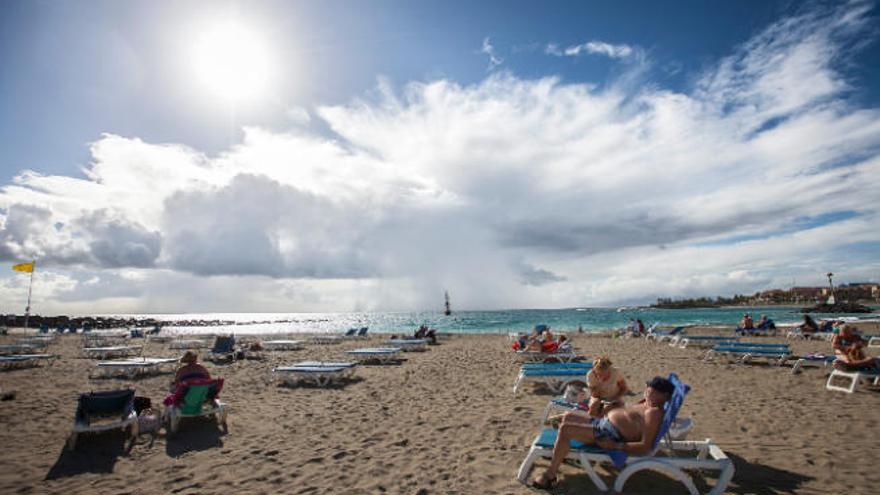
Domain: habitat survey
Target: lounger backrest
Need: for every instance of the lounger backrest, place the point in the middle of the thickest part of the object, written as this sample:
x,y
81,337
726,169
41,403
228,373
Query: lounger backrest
x,y
224,345
350,332
363,331
106,403
670,412
541,328
196,393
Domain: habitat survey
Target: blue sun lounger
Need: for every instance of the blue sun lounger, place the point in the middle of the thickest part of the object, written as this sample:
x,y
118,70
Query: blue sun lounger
x,y
743,353
554,375
680,455
702,341
114,409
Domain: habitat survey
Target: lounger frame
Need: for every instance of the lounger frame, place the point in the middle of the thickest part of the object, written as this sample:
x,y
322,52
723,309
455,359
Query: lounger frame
x,y
703,455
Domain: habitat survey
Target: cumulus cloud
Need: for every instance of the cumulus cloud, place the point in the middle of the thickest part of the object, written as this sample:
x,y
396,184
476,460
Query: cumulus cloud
x,y
591,48
507,193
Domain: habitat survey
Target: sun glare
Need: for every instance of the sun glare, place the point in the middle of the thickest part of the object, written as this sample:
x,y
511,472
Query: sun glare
x,y
232,62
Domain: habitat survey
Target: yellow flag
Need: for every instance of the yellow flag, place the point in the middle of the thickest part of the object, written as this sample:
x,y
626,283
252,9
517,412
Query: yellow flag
x,y
24,267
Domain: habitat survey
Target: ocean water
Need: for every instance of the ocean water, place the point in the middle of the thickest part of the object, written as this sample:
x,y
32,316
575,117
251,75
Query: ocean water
x,y
591,319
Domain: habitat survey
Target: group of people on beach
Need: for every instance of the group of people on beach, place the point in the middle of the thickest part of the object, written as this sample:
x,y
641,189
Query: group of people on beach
x,y
542,340
604,420
748,324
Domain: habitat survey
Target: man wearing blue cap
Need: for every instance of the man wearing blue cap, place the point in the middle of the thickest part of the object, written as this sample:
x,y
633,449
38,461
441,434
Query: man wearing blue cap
x,y
630,429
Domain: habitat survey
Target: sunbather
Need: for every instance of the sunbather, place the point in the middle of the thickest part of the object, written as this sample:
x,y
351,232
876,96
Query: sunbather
x,y
747,323
191,369
809,325
629,429
607,386
849,347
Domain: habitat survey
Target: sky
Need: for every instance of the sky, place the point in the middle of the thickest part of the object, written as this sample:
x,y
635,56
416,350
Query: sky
x,y
308,156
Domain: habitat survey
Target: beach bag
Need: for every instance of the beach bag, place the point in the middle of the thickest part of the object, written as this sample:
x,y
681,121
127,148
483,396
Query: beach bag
x,y
142,404
148,421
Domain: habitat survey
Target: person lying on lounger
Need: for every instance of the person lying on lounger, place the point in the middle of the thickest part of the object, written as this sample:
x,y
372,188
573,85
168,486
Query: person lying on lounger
x,y
631,429
809,326
849,347
191,369
607,387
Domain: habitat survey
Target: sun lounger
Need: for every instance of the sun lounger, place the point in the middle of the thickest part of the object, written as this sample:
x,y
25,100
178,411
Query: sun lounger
x,y
192,399
130,368
679,455
223,350
362,332
702,341
103,411
744,353
408,345
382,355
351,332
853,377
187,344
677,431
661,336
282,345
874,342
811,359
112,351
538,356
554,375
316,372
10,349
24,360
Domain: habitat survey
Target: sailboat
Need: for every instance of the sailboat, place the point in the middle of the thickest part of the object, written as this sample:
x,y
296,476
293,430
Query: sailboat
x,y
448,310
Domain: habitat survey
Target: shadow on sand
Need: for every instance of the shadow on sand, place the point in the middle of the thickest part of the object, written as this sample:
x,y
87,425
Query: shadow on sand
x,y
749,478
94,453
760,479
195,434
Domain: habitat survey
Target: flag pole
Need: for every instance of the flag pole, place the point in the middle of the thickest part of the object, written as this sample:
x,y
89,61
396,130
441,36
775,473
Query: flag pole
x,y
27,310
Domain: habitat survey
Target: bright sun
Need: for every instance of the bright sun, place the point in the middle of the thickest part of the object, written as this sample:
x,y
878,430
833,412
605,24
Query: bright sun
x,y
232,62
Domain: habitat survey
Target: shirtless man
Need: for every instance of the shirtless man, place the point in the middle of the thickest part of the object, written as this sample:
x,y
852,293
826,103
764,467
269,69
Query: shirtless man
x,y
629,429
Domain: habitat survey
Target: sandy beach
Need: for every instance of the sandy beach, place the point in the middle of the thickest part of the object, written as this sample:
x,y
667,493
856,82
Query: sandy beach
x,y
441,421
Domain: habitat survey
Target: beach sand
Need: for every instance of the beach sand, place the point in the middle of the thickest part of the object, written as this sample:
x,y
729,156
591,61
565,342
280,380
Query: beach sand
x,y
442,421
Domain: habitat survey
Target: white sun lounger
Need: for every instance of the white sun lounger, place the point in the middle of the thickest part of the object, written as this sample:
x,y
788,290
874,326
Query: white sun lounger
x,y
24,360
11,349
853,378
282,345
188,344
112,352
130,368
408,345
318,373
382,355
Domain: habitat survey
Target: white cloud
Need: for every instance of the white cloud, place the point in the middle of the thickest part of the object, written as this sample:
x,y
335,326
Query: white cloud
x,y
508,193
591,48
489,50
